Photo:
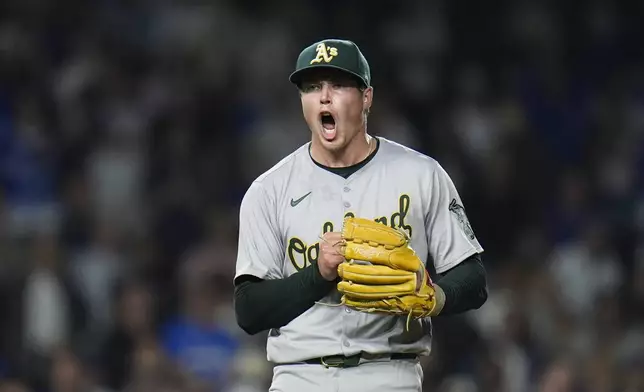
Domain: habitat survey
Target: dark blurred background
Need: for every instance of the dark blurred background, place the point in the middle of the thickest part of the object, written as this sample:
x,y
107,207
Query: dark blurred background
x,y
129,131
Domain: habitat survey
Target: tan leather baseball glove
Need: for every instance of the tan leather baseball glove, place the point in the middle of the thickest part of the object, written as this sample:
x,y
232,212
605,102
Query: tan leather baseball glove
x,y
383,273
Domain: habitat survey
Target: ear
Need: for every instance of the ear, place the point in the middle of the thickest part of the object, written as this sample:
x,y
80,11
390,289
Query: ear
x,y
367,99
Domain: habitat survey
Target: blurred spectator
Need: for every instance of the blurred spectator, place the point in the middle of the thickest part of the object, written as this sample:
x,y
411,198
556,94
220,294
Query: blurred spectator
x,y
585,269
558,377
195,339
151,370
116,178
134,324
28,169
70,374
51,305
96,270
11,385
250,371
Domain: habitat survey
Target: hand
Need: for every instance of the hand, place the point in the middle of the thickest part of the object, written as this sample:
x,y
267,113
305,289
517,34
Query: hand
x,y
330,256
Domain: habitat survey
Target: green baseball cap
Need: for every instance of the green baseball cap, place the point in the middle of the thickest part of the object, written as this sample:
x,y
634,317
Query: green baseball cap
x,y
333,53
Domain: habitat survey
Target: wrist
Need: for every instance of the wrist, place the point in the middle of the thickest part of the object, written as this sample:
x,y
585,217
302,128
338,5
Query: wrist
x,y
319,273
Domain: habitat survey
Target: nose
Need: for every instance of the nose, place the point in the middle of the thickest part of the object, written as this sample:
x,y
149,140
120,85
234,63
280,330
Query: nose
x,y
325,94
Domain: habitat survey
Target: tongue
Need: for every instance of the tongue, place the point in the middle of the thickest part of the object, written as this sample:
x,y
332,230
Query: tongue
x,y
329,131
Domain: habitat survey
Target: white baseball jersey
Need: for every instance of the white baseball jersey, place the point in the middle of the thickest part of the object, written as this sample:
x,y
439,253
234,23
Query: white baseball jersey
x,y
287,209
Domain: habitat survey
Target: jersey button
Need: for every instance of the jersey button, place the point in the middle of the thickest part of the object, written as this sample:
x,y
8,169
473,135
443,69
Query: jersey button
x,y
347,310
347,204
346,189
346,344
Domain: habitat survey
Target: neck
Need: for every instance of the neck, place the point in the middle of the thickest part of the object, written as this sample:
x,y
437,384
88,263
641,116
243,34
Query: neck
x,y
355,152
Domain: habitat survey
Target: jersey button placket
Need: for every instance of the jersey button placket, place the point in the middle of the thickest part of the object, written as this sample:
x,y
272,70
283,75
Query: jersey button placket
x,y
348,317
345,199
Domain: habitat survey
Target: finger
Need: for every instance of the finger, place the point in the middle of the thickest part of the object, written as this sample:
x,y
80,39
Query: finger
x,y
332,235
335,261
332,241
374,274
329,251
331,260
361,291
335,251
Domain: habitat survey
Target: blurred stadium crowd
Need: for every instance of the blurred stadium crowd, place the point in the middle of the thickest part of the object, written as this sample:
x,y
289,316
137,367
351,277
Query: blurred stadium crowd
x,y
129,130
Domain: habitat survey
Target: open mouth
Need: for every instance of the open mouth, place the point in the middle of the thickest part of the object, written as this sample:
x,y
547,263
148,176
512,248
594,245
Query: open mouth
x,y
328,125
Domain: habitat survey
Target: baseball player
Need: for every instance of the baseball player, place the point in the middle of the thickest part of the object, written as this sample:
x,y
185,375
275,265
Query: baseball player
x,y
334,241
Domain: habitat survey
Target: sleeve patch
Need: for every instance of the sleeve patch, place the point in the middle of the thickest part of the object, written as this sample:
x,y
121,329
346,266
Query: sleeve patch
x,y
459,211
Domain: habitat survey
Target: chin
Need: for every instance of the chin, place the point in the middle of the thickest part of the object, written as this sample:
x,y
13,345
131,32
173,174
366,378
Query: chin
x,y
335,144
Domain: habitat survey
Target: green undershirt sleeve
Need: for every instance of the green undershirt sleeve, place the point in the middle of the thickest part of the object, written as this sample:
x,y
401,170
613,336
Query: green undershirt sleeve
x,y
465,286
264,304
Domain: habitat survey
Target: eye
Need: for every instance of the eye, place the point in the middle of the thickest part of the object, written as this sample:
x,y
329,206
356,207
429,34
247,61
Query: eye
x,y
307,88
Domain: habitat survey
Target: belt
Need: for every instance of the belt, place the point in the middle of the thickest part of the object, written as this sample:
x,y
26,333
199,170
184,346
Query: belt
x,y
342,361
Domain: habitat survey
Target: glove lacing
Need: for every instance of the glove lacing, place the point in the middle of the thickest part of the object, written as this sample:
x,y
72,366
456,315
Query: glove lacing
x,y
342,302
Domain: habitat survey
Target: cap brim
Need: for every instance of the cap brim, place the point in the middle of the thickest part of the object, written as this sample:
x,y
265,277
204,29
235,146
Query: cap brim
x,y
296,76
